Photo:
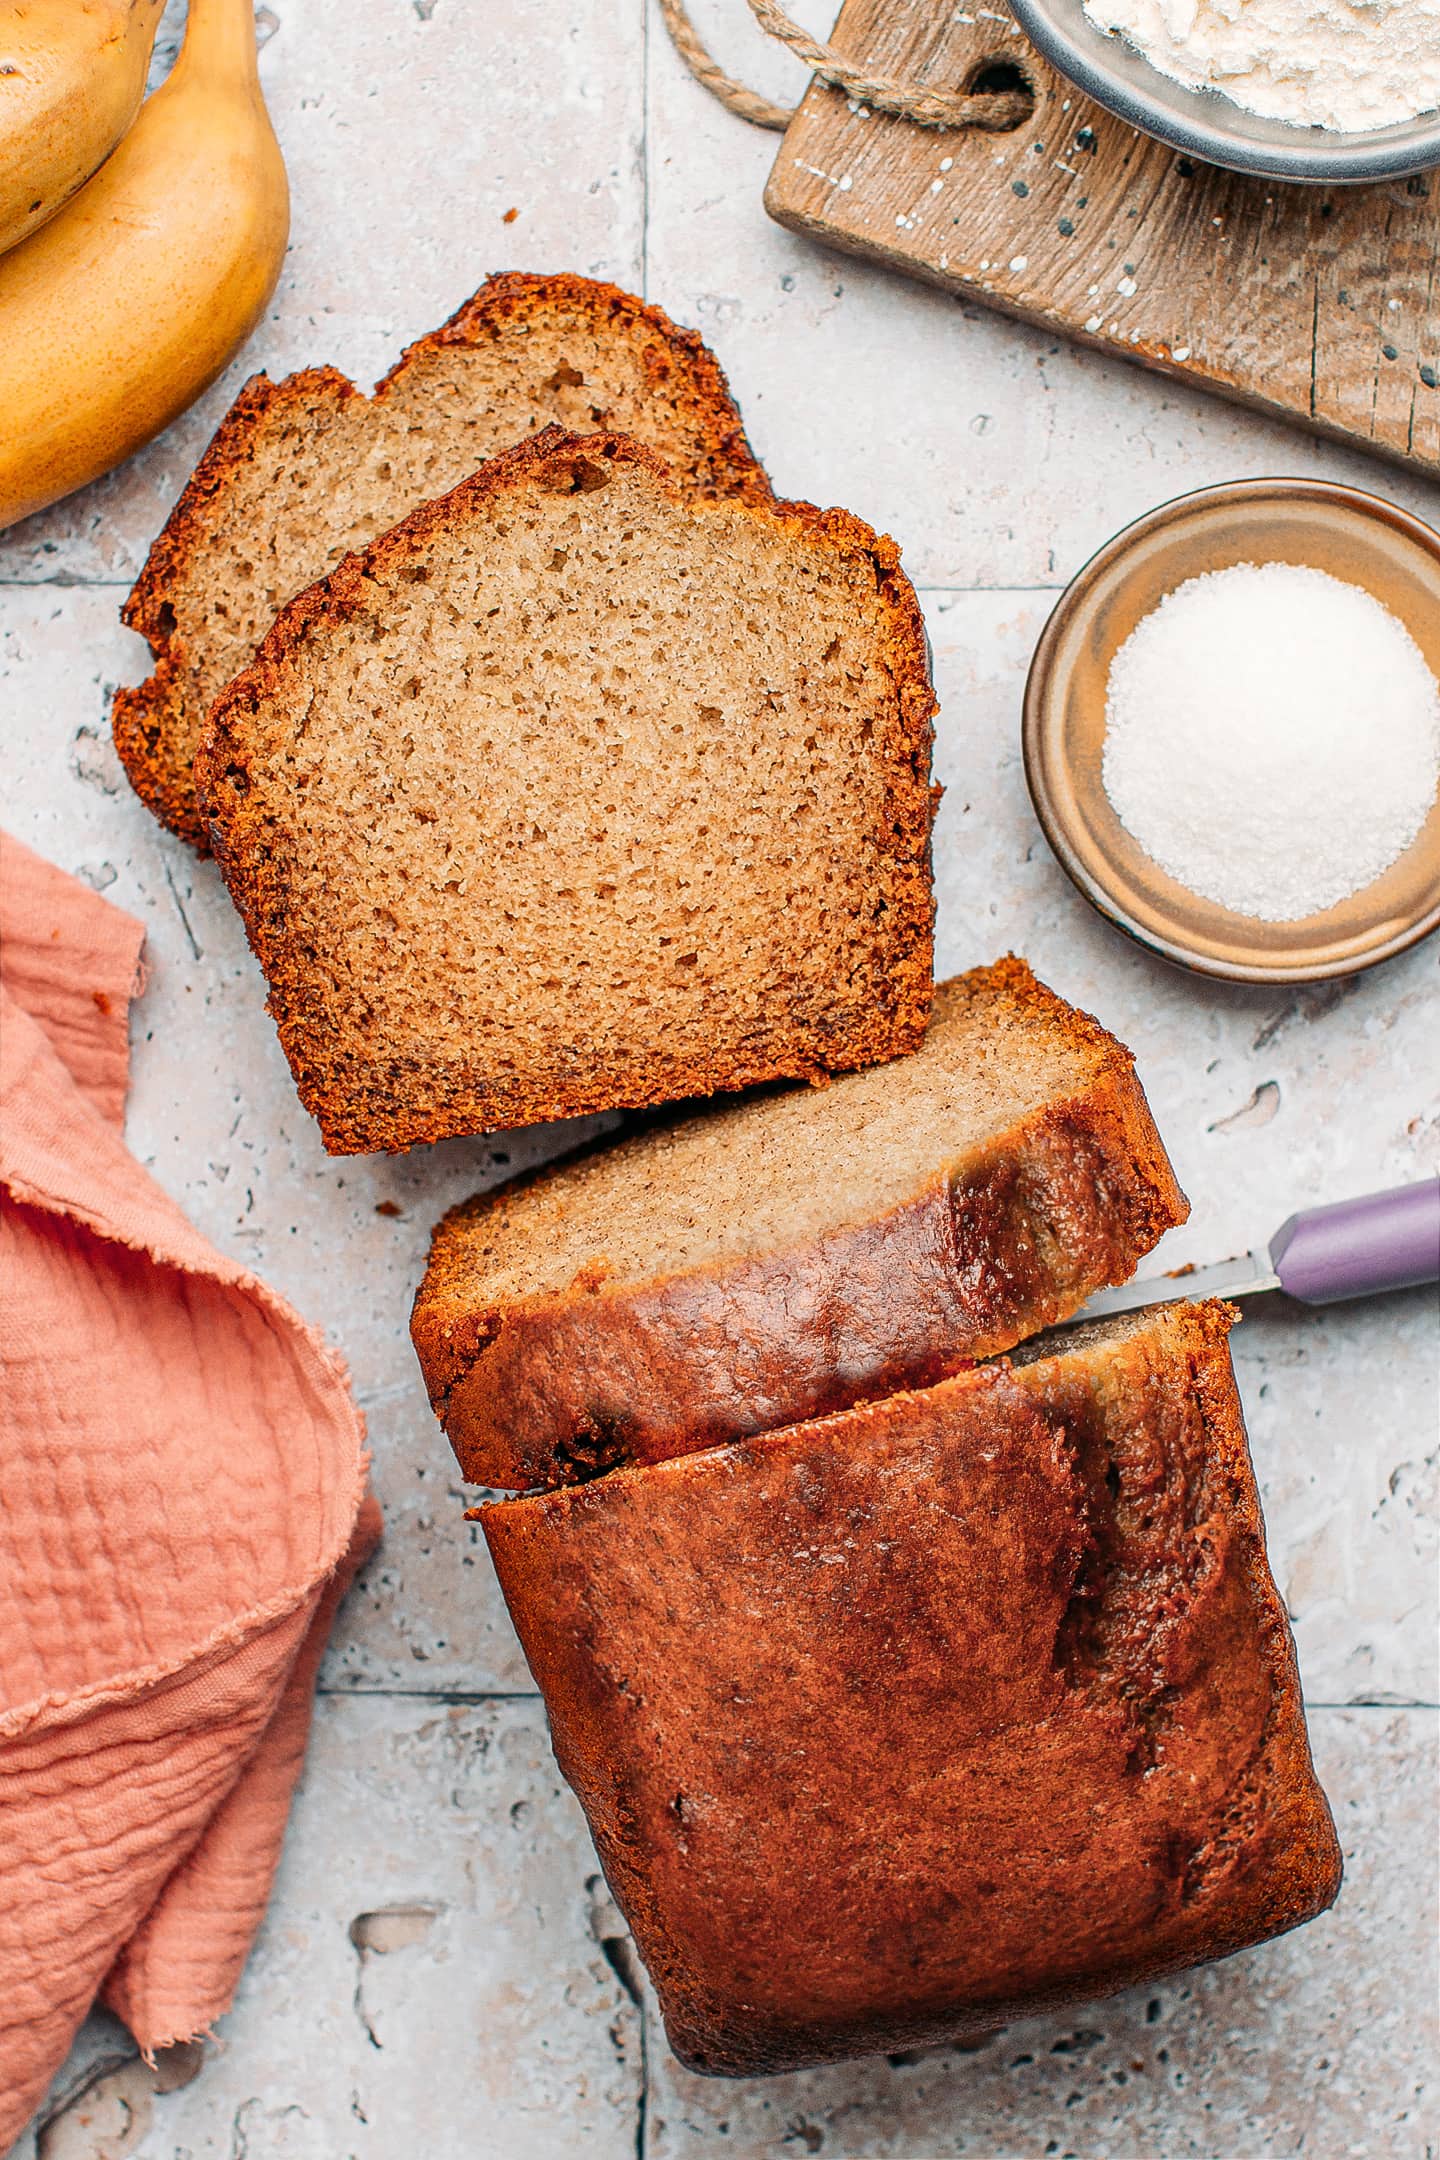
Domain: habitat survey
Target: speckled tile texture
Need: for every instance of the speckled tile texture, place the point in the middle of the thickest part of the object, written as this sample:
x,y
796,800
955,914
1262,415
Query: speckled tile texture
x,y
442,1972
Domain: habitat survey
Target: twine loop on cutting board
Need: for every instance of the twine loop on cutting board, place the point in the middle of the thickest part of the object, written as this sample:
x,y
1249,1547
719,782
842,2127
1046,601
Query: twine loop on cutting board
x,y
996,110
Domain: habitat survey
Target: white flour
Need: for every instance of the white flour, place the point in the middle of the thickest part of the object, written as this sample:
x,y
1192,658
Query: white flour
x,y
1345,64
1272,738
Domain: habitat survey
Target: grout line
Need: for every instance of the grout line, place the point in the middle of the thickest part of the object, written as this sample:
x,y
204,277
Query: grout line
x,y
642,2111
1374,1703
484,1695
65,581
645,149
940,592
435,1695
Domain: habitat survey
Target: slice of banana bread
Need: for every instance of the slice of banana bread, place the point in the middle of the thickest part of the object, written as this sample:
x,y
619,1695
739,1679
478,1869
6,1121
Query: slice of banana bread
x,y
578,790
948,1709
776,1259
302,471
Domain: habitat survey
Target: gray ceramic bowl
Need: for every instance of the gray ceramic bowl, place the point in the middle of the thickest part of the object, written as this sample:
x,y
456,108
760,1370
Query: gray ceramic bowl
x,y
1206,125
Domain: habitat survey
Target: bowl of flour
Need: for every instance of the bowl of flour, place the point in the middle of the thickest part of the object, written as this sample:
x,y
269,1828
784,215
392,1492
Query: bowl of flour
x,y
1330,91
1232,730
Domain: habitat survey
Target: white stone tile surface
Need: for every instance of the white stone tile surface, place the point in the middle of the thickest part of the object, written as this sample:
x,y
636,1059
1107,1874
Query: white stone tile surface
x,y
996,454
432,1977
443,1974
999,459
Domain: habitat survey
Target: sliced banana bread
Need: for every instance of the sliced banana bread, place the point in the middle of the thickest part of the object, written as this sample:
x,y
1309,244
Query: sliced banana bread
x,y
776,1259
951,1708
302,471
579,790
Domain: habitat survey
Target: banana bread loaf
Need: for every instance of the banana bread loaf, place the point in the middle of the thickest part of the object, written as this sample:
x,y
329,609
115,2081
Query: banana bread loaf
x,y
302,471
579,790
956,1706
775,1259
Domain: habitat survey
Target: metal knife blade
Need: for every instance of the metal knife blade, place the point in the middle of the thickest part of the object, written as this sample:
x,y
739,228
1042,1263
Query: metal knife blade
x,y
1240,1277
1322,1255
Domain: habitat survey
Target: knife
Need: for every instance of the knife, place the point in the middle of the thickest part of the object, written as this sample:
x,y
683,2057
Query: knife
x,y
1354,1248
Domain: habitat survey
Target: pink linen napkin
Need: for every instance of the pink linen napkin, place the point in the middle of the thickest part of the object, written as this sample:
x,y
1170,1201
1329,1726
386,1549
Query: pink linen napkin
x,y
183,1506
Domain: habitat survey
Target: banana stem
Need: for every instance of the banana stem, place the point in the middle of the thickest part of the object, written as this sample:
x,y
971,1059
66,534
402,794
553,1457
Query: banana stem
x,y
220,40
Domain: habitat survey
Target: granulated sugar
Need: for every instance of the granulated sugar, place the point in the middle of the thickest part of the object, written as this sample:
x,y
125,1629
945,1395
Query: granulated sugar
x,y
1347,64
1272,738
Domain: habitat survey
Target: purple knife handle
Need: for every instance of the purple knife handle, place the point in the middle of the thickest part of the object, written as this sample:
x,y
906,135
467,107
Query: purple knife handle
x,y
1385,1241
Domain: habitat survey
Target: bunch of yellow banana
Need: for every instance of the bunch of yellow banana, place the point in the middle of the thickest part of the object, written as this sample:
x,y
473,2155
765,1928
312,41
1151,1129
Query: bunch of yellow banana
x,y
138,258
71,80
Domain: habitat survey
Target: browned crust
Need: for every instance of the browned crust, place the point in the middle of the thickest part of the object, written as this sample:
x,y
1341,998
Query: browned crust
x,y
730,468
155,724
360,1107
1303,1869
731,1770
997,1244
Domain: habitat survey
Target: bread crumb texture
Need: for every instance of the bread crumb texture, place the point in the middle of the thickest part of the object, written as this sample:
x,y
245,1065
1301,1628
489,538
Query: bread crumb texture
x,y
304,470
576,790
961,1705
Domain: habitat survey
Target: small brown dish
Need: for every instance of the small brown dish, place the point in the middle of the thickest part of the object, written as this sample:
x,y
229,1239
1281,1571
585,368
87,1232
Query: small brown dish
x,y
1354,536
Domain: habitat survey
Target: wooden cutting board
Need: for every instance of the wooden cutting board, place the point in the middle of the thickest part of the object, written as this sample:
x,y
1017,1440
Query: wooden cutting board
x,y
1321,305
